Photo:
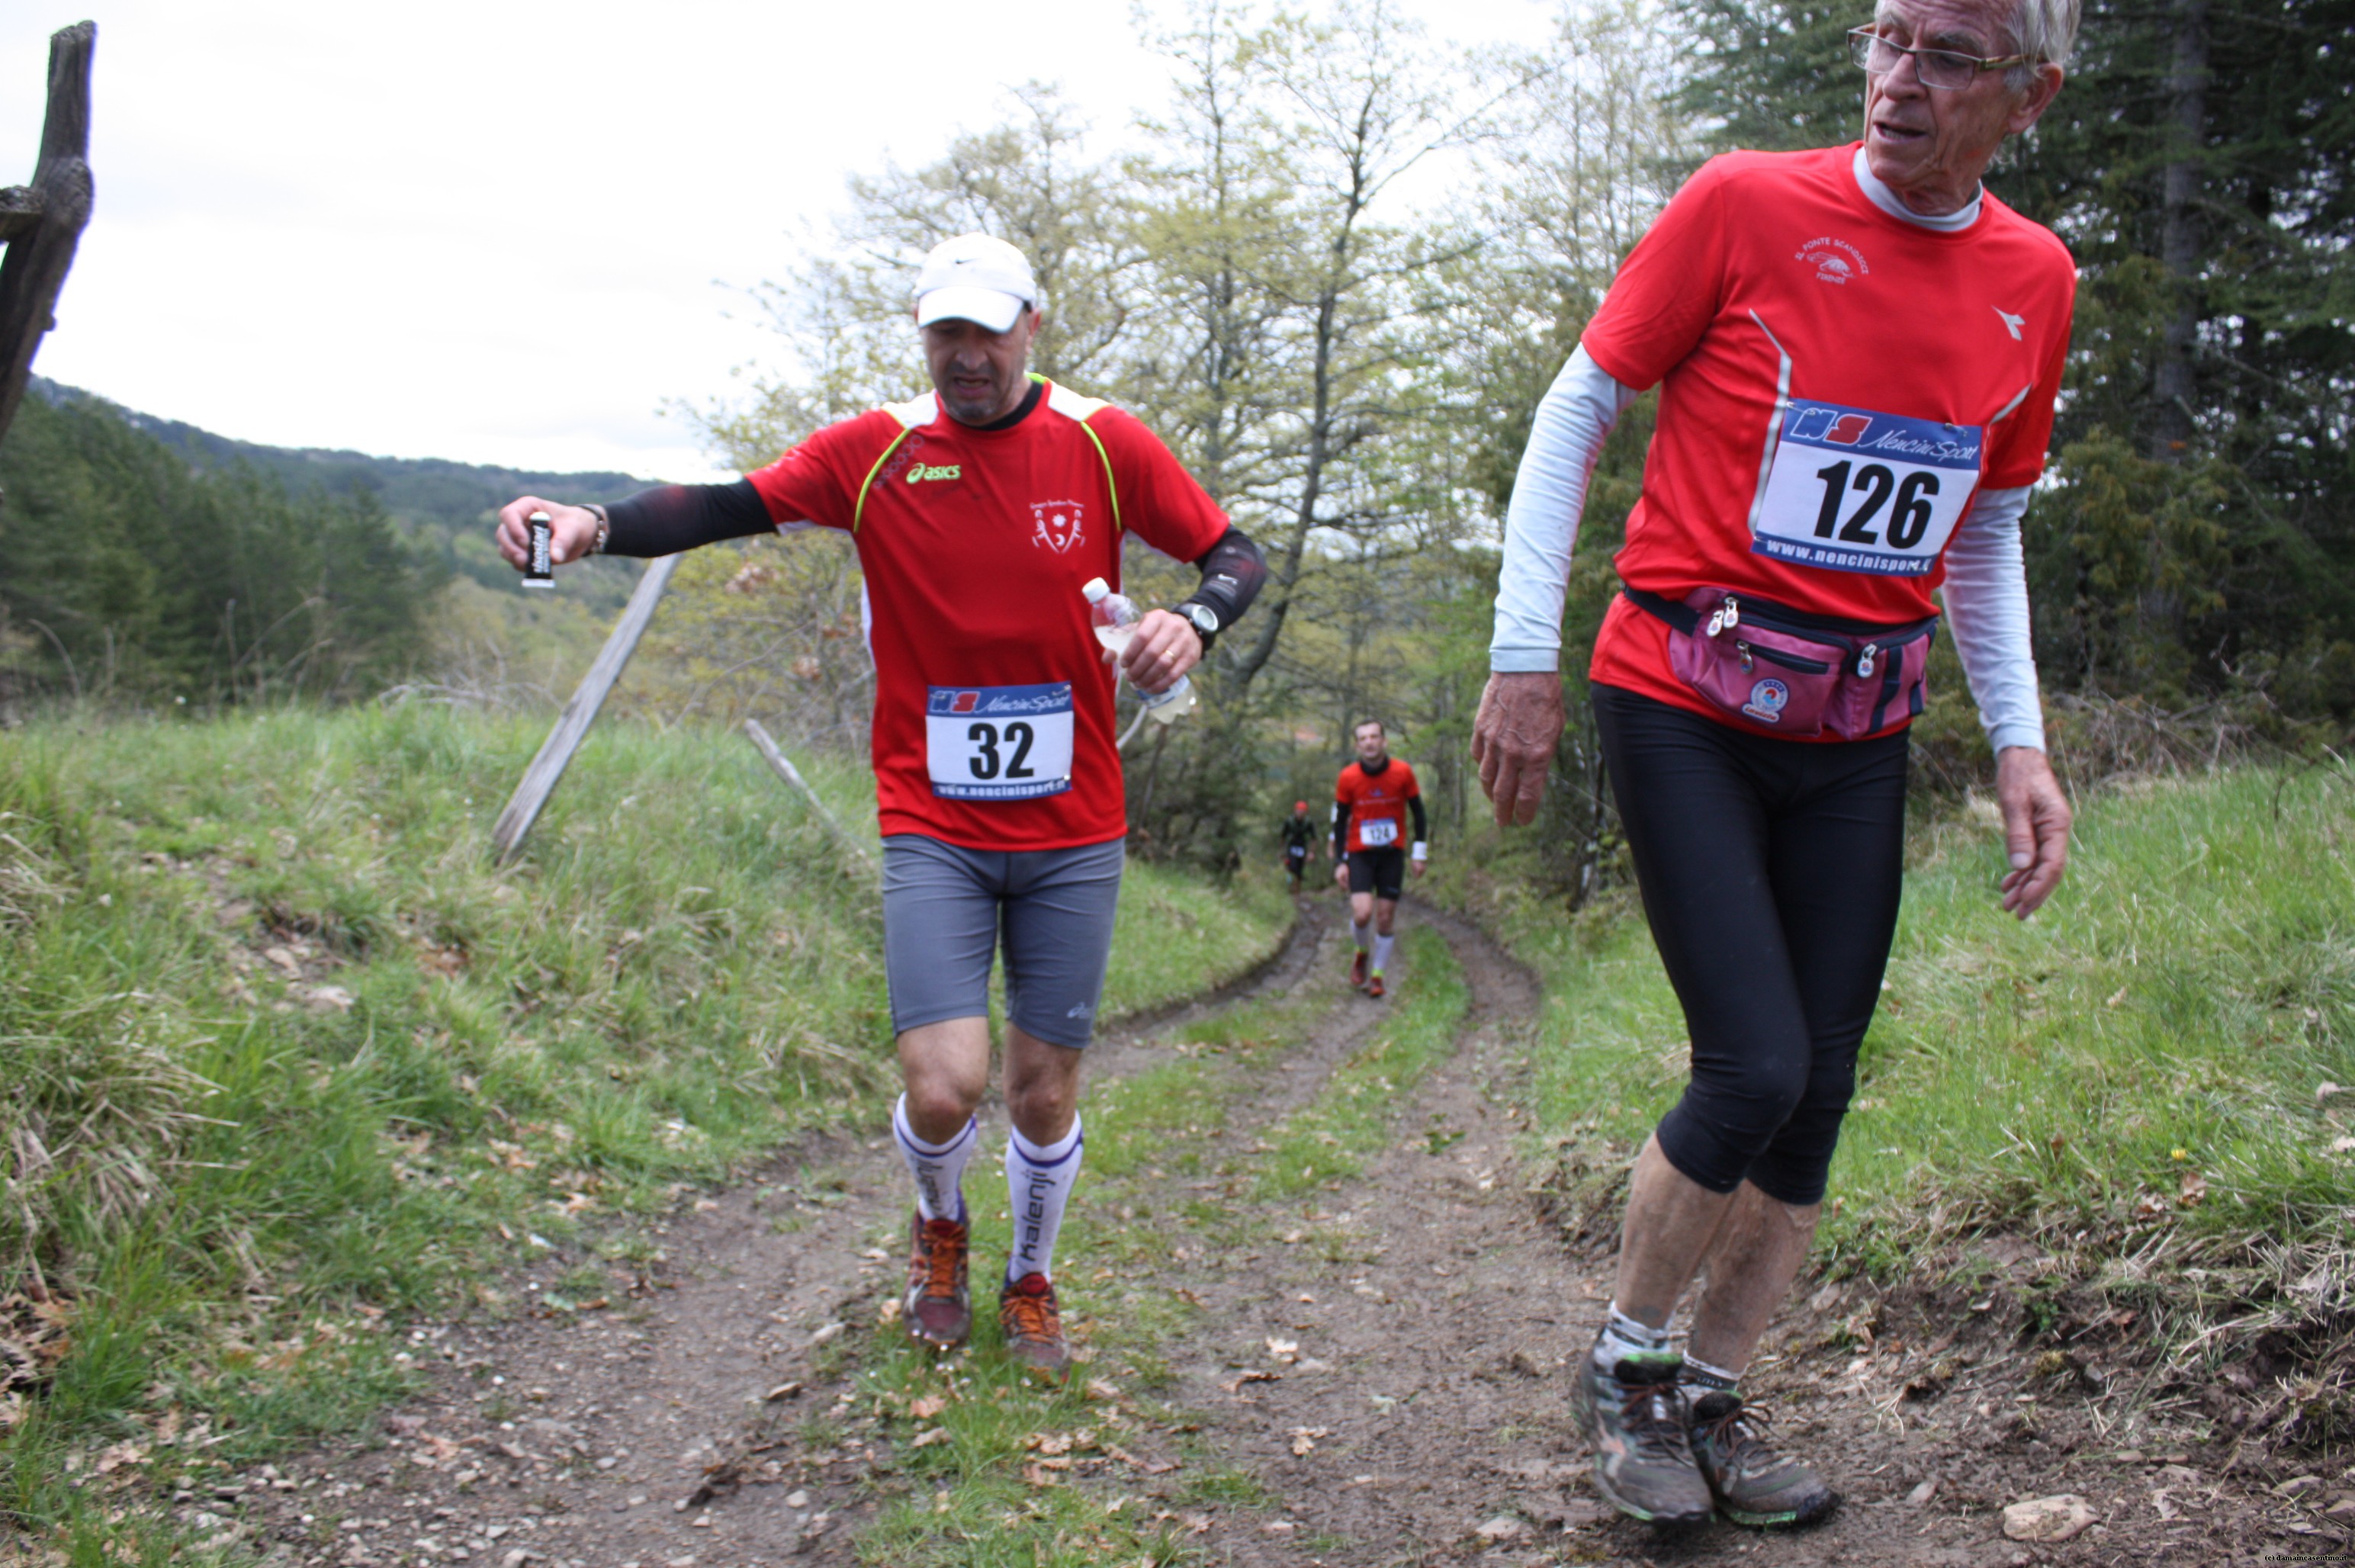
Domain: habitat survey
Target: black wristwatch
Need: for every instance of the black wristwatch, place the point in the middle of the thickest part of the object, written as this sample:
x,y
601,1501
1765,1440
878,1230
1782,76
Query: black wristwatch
x,y
1204,620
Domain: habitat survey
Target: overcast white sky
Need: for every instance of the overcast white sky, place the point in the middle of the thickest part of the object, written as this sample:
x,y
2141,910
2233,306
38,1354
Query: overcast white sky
x,y
505,231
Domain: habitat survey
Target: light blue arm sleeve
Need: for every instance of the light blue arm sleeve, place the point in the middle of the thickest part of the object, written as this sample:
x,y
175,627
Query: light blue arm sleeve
x,y
1987,609
1573,419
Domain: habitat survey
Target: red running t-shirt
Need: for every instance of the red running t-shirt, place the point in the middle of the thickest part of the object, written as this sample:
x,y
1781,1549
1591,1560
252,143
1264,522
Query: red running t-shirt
x,y
1836,384
993,709
1377,803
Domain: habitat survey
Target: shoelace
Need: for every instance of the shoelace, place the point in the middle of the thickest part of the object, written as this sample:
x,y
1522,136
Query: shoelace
x,y
1649,1413
942,1256
1740,1433
1034,1316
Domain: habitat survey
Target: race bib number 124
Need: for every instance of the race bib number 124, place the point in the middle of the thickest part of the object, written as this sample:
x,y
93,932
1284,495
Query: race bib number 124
x,y
998,742
1854,490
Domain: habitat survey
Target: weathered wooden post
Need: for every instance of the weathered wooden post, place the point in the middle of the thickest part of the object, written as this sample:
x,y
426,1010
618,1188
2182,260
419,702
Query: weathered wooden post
x,y
572,724
41,223
784,769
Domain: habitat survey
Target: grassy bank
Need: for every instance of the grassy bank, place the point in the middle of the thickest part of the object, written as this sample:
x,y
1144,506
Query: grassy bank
x,y
2146,1071
287,1057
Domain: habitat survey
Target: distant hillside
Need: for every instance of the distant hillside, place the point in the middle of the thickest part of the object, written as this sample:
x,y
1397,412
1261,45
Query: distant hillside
x,y
444,509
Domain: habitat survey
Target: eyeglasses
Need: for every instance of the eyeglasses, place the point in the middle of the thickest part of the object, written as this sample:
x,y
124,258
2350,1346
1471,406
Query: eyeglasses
x,y
1942,69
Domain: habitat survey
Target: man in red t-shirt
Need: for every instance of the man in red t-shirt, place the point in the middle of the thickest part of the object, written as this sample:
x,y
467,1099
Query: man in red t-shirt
x,y
979,509
1857,351
1370,803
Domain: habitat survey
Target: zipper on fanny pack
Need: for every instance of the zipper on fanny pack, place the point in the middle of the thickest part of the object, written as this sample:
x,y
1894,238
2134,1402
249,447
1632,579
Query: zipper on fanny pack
x,y
1864,659
1727,615
1775,656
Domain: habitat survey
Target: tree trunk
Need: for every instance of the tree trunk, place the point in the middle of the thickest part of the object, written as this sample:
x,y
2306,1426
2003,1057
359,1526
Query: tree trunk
x,y
43,222
2187,90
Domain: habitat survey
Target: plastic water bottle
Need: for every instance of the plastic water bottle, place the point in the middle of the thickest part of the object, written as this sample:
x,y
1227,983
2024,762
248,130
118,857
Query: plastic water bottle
x,y
1115,617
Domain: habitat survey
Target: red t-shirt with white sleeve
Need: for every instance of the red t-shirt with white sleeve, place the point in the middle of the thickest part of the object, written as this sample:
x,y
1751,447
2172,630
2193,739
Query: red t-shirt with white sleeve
x,y
993,707
1836,384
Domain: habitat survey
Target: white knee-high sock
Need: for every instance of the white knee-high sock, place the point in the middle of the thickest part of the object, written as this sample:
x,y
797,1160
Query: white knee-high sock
x,y
1039,1182
1359,929
1384,942
939,1168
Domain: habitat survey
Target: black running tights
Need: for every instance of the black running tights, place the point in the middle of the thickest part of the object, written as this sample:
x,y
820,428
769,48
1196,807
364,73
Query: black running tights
x,y
1770,872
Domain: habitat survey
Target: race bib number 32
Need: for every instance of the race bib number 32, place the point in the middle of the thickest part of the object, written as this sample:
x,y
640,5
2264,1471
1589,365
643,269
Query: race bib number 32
x,y
1854,490
998,742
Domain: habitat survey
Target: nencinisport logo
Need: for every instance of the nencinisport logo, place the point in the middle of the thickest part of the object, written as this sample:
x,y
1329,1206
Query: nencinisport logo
x,y
920,472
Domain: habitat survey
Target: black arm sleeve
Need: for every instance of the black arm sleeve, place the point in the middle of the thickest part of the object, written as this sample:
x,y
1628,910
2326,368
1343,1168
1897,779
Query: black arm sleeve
x,y
672,517
1340,828
1232,571
1421,823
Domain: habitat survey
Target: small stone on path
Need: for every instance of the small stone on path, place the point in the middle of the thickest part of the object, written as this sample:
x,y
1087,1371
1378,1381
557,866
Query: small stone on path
x,y
2059,1518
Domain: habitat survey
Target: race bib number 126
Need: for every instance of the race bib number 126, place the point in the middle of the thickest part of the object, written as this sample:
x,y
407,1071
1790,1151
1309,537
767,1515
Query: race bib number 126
x,y
1854,490
998,742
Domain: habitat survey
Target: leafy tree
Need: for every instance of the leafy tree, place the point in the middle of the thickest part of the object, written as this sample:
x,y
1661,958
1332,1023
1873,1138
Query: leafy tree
x,y
127,573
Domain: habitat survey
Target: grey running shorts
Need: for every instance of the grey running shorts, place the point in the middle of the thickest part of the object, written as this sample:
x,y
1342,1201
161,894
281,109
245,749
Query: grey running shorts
x,y
946,909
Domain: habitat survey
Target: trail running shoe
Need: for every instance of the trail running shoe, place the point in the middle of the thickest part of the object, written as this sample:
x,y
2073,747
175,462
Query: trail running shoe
x,y
1753,1484
1374,985
1634,1414
1033,1323
1358,970
939,1309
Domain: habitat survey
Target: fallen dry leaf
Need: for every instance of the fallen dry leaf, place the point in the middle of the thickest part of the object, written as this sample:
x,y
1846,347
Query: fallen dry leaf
x,y
929,1406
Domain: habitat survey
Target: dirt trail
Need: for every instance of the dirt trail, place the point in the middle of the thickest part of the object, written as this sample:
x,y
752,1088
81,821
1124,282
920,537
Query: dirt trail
x,y
1388,1363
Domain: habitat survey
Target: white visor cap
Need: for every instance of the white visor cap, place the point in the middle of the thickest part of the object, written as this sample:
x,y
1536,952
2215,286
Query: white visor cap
x,y
975,277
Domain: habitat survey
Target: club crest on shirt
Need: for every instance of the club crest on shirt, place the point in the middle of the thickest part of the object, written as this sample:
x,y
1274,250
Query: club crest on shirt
x,y
1055,525
1767,700
1835,261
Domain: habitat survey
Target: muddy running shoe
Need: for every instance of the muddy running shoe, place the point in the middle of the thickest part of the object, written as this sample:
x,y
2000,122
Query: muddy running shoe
x,y
1753,1484
1358,970
1033,1323
939,1309
1634,1414
1373,985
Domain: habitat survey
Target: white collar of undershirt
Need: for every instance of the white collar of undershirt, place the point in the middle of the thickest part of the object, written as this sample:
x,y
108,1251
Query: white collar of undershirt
x,y
1877,192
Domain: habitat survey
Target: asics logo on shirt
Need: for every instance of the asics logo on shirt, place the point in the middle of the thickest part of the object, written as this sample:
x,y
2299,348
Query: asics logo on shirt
x,y
923,471
2011,324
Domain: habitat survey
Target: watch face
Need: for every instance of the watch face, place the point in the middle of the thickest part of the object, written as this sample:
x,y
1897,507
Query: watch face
x,y
1204,619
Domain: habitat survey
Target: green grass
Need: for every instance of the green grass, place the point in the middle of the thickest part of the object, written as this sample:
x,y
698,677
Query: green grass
x,y
238,1178
2147,1061
1329,1140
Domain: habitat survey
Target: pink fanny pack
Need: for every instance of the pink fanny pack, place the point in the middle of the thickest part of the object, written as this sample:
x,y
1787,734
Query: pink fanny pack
x,y
1789,671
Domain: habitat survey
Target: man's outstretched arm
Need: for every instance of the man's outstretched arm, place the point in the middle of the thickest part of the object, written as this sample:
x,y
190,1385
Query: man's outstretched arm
x,y
664,520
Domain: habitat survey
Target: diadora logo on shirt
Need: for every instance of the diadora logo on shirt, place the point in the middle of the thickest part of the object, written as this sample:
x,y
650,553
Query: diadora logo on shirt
x,y
919,472
1835,261
1057,525
2011,324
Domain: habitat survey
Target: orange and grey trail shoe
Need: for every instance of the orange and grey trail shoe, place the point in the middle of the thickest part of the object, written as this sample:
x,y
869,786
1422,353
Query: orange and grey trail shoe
x,y
1753,1485
1374,984
1033,1323
1358,970
1634,1414
938,1309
